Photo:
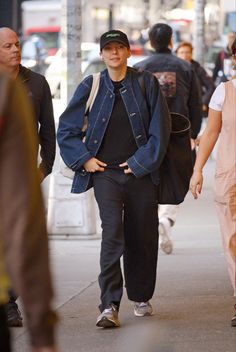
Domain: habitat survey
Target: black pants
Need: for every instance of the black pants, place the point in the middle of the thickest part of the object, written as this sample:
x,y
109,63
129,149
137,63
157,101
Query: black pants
x,y
4,331
128,210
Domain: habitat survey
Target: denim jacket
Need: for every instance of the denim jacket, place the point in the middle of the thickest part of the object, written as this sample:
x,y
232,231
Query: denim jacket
x,y
148,116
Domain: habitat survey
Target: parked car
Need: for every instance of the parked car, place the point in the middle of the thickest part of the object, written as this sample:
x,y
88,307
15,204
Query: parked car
x,y
55,73
34,54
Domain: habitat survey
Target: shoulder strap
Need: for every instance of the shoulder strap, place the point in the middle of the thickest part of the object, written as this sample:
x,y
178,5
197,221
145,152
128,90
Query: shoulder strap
x,y
93,92
143,88
91,98
142,84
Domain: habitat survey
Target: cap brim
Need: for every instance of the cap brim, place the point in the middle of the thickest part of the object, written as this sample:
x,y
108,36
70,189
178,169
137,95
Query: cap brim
x,y
115,41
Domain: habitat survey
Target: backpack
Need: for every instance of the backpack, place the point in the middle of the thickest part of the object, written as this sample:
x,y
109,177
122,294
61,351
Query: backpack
x,y
177,166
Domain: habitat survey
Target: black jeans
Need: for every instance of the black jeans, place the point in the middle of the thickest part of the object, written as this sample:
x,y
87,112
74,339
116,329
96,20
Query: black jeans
x,y
4,331
128,210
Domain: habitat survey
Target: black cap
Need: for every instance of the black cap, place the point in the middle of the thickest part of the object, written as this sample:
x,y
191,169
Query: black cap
x,y
113,36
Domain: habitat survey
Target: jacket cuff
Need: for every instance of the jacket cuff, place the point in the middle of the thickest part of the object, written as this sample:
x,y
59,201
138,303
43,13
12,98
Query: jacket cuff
x,y
76,166
137,169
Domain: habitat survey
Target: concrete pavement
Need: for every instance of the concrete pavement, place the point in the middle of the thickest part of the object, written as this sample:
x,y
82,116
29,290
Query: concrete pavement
x,y
193,298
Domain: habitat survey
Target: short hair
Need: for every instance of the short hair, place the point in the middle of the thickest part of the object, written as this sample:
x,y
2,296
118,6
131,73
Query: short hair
x,y
182,44
160,35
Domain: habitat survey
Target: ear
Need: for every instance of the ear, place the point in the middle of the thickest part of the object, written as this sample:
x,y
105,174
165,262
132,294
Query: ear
x,y
101,56
128,53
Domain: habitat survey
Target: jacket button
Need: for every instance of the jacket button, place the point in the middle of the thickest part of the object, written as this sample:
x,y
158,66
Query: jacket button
x,y
111,96
83,172
95,141
103,120
132,114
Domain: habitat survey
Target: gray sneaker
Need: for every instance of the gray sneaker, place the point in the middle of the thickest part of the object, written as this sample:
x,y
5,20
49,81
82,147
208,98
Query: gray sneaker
x,y
164,232
142,309
108,318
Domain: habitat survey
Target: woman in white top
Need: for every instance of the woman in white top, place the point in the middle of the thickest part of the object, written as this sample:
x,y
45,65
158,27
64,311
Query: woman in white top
x,y
222,123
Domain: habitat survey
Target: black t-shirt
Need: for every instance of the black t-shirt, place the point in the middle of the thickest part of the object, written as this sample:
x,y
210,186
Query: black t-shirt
x,y
118,142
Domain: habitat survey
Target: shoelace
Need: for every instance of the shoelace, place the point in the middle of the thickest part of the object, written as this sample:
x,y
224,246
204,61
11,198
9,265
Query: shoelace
x,y
142,304
110,309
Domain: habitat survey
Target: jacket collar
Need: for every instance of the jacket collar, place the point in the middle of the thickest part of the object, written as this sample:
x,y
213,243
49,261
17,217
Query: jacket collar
x,y
24,73
125,82
163,51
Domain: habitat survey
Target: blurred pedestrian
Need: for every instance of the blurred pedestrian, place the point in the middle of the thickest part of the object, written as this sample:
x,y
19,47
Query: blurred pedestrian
x,y
181,89
23,254
39,92
185,52
222,124
223,61
120,158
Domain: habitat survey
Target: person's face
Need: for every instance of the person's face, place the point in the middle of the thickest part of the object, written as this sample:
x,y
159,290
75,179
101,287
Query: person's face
x,y
115,55
185,53
10,53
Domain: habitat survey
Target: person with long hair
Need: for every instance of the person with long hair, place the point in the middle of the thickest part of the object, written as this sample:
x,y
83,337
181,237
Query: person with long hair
x,y
222,124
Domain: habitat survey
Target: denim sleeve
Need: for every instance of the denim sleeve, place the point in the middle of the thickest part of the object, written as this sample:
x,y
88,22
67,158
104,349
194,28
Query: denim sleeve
x,y
69,134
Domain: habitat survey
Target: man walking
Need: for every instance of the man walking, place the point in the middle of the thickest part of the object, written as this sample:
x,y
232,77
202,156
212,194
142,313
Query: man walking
x,y
181,89
126,140
40,96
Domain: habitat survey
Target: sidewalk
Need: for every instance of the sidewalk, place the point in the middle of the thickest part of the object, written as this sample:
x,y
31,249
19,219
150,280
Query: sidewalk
x,y
193,298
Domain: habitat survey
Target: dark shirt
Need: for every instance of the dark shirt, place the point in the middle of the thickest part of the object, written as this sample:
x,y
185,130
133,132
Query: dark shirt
x,y
39,92
118,143
207,85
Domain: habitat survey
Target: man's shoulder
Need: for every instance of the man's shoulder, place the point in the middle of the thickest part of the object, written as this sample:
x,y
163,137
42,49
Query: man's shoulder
x,y
199,70
141,73
181,64
171,60
164,61
144,63
28,75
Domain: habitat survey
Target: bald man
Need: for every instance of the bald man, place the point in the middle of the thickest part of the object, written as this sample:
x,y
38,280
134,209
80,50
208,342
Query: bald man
x,y
39,92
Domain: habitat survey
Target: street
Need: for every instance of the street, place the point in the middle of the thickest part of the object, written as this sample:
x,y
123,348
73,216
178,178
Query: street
x,y
193,298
